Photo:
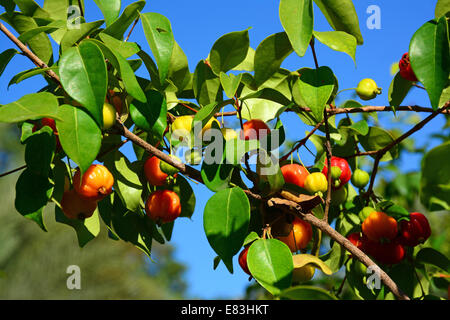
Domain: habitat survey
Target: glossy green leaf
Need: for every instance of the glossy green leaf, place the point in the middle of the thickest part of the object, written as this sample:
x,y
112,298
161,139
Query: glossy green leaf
x,y
40,44
158,32
269,55
79,135
121,24
229,51
75,35
216,172
270,176
151,68
435,179
31,9
179,73
5,58
126,181
33,106
51,27
297,18
247,63
187,196
125,49
230,83
236,148
29,73
124,69
341,15
398,90
430,58
152,115
32,194
206,85
442,8
8,5
110,9
339,41
433,257
270,263
335,257
86,229
306,293
316,87
84,77
377,139
225,220
40,150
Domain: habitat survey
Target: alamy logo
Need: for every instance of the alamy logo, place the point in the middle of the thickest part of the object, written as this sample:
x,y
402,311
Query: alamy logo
x,y
374,280
374,20
74,280
73,17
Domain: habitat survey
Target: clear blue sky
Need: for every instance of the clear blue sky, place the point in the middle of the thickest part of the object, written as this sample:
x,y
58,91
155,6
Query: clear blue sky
x,y
196,26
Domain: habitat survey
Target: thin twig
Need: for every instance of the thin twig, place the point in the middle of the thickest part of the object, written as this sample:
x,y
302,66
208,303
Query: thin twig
x,y
12,171
132,28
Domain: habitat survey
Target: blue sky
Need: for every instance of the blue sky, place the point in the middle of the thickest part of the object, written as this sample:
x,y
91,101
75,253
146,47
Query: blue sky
x,y
196,26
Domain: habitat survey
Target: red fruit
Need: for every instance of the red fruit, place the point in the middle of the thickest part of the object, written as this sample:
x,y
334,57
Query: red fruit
x,y
415,231
378,226
163,206
405,68
295,174
356,239
74,207
254,129
96,183
49,122
386,253
342,164
300,235
153,172
243,261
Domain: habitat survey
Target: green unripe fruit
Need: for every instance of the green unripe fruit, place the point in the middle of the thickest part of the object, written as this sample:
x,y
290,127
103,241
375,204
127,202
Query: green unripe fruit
x,y
167,168
339,196
193,157
365,212
360,178
336,173
367,89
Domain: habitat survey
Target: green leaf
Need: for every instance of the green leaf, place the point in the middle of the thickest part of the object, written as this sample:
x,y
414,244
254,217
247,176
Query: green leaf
x,y
377,139
339,41
124,69
252,236
306,293
158,32
430,57
32,194
398,90
125,49
86,229
151,68
187,196
206,85
5,58
40,44
40,150
33,106
216,172
316,87
225,220
236,148
442,8
270,176
230,83
126,181
79,135
341,15
110,9
30,73
435,178
433,257
152,115
179,73
31,8
297,18
9,6
121,24
270,263
229,51
334,258
51,27
73,36
247,63
84,76
269,55
358,280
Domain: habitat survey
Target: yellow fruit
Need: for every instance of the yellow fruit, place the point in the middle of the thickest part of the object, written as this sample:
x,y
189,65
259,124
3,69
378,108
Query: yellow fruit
x,y
109,116
303,274
316,182
228,134
209,125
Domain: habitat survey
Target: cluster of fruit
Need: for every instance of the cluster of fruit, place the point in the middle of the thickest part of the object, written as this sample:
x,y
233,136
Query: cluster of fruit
x,y
385,239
